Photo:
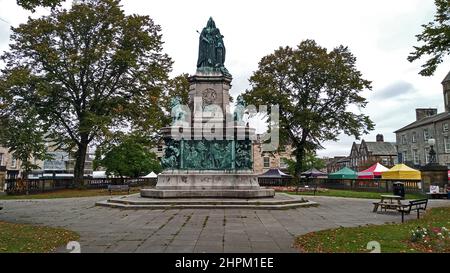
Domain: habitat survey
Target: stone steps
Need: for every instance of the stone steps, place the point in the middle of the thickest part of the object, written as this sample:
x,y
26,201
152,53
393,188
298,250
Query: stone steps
x,y
280,202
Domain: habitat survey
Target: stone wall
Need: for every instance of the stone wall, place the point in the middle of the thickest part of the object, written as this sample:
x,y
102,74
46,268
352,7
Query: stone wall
x,y
436,131
274,159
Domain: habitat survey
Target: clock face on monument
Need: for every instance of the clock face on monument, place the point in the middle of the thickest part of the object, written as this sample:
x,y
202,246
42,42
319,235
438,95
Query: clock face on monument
x,y
209,96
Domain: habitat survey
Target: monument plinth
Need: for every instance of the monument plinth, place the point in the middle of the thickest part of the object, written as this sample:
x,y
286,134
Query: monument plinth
x,y
208,148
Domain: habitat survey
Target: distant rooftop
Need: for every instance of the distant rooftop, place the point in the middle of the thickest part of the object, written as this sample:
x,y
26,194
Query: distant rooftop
x,y
425,121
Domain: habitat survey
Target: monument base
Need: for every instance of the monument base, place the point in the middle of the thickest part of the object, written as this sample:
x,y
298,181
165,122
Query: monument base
x,y
280,201
434,174
207,184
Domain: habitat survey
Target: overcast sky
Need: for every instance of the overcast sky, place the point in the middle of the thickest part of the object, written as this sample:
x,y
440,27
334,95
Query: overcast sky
x,y
379,33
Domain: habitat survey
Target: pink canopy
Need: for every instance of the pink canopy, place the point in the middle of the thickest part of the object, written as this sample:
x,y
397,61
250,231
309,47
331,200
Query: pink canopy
x,y
374,171
448,175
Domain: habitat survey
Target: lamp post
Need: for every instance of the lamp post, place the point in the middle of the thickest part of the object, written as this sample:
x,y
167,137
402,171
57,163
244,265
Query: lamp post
x,y
432,154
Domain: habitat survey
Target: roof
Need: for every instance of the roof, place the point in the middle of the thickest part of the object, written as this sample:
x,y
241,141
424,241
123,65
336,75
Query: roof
x,y
376,168
401,171
426,121
345,159
381,148
274,173
402,168
447,78
345,170
313,172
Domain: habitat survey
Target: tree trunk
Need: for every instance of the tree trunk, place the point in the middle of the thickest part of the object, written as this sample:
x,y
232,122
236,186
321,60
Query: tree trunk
x,y
80,161
299,157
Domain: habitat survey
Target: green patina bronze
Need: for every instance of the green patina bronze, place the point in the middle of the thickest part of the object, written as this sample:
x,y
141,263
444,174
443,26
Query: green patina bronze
x,y
211,52
208,155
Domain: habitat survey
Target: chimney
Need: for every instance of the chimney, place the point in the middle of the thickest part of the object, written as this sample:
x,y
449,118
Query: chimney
x,y
380,138
446,87
422,113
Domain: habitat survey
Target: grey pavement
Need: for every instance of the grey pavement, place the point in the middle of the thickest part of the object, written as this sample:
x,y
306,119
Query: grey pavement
x,y
194,230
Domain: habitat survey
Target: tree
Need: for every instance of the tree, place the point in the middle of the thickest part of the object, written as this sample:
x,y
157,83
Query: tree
x,y
88,71
436,39
33,4
313,88
24,139
310,161
129,158
177,87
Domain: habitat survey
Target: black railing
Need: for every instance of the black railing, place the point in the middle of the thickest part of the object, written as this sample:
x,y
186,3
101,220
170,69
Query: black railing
x,y
273,182
32,186
374,185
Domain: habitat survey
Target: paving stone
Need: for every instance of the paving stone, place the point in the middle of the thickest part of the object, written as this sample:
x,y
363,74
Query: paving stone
x,y
113,230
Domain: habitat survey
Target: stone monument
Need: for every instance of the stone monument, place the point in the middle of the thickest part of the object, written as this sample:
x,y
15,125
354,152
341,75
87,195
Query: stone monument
x,y
434,174
208,148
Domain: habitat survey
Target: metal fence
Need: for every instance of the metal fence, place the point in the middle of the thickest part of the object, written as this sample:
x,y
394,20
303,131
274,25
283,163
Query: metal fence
x,y
32,186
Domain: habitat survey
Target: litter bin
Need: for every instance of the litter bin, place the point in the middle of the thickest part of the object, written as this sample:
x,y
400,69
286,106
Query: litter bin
x,y
399,189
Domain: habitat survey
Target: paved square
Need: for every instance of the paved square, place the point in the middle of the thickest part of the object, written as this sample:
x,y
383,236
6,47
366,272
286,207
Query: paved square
x,y
193,230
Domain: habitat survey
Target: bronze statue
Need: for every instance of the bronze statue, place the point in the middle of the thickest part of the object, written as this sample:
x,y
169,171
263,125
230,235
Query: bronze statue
x,y
211,52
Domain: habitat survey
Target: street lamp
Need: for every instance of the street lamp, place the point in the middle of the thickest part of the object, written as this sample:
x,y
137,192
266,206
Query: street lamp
x,y
432,142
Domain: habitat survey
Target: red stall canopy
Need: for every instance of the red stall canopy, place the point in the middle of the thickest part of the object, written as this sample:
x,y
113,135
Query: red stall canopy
x,y
374,171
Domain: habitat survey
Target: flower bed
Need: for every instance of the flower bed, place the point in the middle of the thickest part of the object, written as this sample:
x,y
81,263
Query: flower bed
x,y
432,239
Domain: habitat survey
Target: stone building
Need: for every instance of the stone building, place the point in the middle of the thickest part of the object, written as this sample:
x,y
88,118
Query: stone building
x,y
367,153
263,161
9,165
412,140
336,163
62,164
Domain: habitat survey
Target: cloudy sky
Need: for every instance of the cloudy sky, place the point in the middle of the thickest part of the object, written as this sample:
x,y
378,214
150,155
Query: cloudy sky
x,y
379,33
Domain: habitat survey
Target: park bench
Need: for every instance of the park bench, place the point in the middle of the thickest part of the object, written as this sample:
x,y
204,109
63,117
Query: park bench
x,y
119,188
416,205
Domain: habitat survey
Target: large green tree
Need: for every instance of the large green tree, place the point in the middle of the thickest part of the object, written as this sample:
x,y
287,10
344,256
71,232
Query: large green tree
x,y
435,39
131,158
314,89
88,72
33,4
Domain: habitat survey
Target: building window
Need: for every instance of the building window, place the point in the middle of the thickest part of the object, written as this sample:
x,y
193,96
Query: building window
x,y
447,145
404,139
414,137
13,162
1,159
445,127
266,162
426,135
427,155
405,156
416,157
160,148
283,163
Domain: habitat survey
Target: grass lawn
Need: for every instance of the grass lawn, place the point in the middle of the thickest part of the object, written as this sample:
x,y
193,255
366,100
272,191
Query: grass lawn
x,y
392,237
69,193
356,194
35,239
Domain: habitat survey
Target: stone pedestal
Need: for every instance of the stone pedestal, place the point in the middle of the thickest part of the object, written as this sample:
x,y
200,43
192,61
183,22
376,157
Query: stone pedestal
x,y
208,154
207,184
434,174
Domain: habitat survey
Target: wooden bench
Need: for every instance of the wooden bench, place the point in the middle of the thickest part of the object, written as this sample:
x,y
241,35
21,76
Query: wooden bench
x,y
416,205
388,202
112,188
386,206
